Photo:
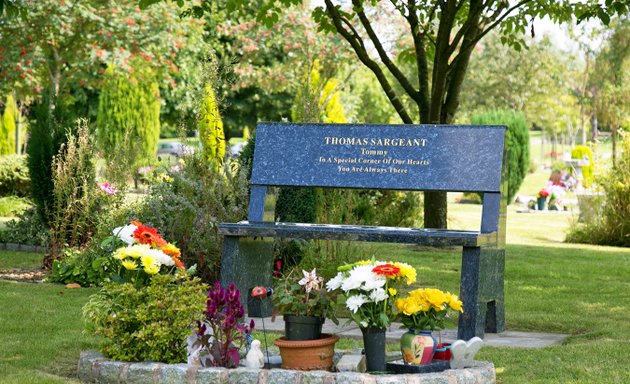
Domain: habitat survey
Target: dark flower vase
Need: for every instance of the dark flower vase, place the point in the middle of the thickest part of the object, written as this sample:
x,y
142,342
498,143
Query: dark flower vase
x,y
374,345
541,203
303,327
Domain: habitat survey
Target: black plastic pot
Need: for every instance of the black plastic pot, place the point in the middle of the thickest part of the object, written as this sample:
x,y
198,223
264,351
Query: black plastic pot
x,y
303,327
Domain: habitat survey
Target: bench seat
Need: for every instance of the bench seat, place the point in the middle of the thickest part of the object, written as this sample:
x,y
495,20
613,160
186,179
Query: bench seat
x,y
421,236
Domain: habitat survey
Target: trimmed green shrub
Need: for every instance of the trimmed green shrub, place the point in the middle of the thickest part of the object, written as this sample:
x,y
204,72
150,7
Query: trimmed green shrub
x,y
587,171
10,206
128,120
150,323
14,177
27,228
7,141
210,128
516,142
46,136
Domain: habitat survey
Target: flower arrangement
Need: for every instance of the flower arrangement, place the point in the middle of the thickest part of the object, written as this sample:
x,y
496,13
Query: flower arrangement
x,y
221,334
542,193
426,308
370,289
303,295
146,253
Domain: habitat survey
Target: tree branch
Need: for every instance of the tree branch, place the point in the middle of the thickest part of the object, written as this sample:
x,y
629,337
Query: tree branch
x,y
393,69
356,43
421,61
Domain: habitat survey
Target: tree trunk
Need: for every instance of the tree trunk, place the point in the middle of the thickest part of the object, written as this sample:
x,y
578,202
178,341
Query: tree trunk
x,y
613,131
594,132
435,209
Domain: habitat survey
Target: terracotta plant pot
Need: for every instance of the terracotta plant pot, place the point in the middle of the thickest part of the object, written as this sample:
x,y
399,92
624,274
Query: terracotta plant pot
x,y
308,355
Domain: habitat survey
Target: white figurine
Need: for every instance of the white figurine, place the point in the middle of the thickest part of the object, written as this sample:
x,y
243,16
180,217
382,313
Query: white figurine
x,y
255,357
462,353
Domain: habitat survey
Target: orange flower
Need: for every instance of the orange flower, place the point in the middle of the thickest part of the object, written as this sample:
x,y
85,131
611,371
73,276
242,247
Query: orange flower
x,y
178,263
386,269
171,250
148,235
136,223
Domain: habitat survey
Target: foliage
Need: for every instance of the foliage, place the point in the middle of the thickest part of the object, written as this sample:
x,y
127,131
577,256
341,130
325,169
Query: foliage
x,y
128,117
7,127
426,308
579,152
221,333
612,226
47,135
69,44
303,295
10,206
188,204
27,228
78,200
210,128
516,143
150,323
370,288
87,267
14,177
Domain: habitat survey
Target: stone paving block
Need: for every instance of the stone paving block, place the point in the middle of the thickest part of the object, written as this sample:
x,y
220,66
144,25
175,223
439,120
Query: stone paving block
x,y
390,379
109,372
283,376
317,377
174,374
212,376
349,378
351,363
143,373
464,376
243,376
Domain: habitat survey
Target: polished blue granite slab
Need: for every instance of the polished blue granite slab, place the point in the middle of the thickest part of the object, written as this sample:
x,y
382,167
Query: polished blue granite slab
x,y
403,157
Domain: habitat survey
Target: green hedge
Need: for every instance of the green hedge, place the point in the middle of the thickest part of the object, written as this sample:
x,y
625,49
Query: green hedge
x,y
14,177
516,142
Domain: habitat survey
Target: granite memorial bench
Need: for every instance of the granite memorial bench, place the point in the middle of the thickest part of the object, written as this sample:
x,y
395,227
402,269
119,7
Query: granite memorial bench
x,y
397,157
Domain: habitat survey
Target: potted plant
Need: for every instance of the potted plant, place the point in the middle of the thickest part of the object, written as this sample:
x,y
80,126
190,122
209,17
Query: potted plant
x,y
541,198
422,311
370,288
305,304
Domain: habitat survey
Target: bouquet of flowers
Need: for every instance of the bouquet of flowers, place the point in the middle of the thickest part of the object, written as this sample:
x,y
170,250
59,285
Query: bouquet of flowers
x,y
542,193
145,255
426,308
370,289
303,295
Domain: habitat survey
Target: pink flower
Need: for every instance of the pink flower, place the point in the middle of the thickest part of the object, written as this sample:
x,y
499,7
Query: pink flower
x,y
108,188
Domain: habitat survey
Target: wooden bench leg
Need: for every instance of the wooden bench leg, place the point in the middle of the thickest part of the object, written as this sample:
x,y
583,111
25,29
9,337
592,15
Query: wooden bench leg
x,y
482,292
247,263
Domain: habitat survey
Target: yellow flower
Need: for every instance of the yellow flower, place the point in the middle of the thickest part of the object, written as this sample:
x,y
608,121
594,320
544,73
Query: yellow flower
x,y
436,297
454,302
407,272
171,250
152,269
392,291
148,260
129,265
120,253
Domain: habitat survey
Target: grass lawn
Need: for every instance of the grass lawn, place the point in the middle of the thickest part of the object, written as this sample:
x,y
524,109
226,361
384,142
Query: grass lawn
x,y
550,286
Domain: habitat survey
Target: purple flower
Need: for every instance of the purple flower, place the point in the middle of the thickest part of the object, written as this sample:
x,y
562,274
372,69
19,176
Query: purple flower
x,y
108,188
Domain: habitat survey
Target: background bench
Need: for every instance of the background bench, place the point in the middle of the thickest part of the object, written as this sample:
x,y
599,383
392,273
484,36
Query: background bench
x,y
399,157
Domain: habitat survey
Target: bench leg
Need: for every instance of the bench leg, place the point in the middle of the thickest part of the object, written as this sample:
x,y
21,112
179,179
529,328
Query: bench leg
x,y
248,263
482,292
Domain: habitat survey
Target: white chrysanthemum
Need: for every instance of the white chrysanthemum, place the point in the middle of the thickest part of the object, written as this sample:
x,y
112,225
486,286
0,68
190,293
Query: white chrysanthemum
x,y
378,281
353,303
126,233
378,295
357,277
161,258
335,282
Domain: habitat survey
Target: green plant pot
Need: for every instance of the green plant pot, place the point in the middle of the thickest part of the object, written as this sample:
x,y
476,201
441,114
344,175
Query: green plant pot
x,y
303,327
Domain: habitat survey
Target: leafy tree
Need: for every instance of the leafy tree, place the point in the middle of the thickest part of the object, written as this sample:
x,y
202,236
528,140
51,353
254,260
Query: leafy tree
x,y
211,129
7,141
442,36
128,124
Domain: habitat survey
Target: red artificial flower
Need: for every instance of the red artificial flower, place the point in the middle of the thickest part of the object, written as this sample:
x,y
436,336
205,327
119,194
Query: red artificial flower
x,y
386,269
148,235
259,292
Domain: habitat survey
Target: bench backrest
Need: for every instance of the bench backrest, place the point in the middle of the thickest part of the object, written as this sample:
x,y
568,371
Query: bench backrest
x,y
399,157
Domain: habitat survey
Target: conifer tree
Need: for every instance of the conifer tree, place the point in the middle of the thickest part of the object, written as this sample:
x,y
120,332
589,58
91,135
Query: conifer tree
x,y
211,128
7,147
128,121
